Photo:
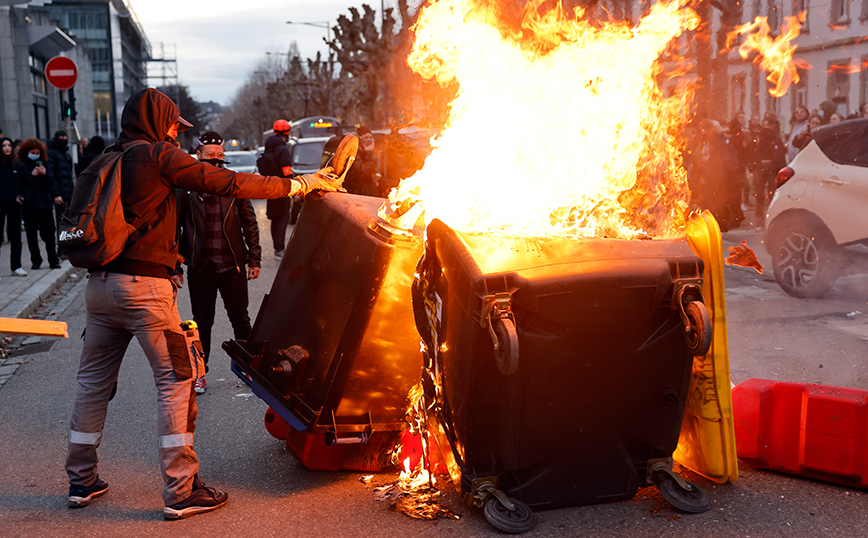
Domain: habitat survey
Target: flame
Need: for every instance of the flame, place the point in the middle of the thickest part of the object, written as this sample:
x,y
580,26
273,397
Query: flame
x,y
560,126
774,55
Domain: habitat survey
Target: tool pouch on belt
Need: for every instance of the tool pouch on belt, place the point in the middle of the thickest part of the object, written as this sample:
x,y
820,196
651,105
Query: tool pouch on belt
x,y
194,347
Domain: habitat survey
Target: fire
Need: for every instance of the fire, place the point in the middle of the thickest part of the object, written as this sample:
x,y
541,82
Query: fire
x,y
774,55
560,126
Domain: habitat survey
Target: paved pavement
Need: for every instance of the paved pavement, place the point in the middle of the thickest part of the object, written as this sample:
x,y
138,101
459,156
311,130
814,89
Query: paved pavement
x,y
21,296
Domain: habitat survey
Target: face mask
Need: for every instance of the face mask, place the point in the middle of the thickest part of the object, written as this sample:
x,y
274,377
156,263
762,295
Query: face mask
x,y
33,157
62,144
216,162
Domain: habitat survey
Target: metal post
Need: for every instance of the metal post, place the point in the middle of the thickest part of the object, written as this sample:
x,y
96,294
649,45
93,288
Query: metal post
x,y
331,66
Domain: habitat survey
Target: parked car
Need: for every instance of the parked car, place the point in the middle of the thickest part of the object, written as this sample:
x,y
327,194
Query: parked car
x,y
241,161
307,158
818,219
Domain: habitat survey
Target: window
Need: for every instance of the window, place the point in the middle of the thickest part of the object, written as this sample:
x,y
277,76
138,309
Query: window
x,y
804,6
800,89
838,85
776,16
739,91
840,13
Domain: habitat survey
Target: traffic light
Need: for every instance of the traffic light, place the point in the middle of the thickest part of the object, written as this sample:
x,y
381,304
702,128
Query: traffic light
x,y
68,107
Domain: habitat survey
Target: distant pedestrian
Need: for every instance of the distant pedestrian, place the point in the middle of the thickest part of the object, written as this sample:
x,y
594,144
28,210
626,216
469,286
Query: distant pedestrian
x,y
12,172
835,118
769,157
40,195
61,171
94,149
220,246
276,161
798,126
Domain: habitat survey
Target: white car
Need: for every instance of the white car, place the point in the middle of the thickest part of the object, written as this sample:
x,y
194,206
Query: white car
x,y
241,161
818,219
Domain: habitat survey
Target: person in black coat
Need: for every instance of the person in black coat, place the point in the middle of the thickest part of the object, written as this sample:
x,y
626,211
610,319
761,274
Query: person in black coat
x,y
11,173
94,149
60,169
40,195
276,161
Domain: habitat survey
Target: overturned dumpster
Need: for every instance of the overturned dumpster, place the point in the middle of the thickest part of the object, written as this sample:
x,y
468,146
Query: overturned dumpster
x,y
334,350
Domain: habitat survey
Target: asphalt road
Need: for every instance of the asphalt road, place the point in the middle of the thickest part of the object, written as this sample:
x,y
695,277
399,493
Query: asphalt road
x,y
771,335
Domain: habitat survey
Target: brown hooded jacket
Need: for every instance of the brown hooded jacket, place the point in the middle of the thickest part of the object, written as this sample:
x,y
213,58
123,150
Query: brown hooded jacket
x,y
151,172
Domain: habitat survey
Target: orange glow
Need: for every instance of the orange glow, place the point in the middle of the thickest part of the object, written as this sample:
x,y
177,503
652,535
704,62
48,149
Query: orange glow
x,y
560,126
774,55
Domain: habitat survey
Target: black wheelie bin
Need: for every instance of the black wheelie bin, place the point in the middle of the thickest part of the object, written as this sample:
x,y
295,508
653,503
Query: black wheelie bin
x,y
557,369
334,351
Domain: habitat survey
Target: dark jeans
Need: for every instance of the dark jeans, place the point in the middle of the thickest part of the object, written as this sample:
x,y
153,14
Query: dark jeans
x,y
763,189
232,286
11,212
278,232
41,222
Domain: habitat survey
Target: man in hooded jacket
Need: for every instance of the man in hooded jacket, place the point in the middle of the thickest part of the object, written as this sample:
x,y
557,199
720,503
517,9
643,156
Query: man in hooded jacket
x,y
134,295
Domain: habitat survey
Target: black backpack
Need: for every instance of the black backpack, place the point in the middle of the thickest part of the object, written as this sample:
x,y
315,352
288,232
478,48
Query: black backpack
x,y
93,230
266,165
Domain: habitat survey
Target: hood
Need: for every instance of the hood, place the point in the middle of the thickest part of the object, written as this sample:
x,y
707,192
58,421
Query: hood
x,y
147,116
274,141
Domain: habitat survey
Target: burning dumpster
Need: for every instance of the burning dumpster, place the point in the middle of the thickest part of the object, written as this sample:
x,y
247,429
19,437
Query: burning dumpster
x,y
559,368
333,350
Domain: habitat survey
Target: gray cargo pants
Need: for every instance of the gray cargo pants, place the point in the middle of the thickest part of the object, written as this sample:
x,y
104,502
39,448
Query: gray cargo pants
x,y
119,307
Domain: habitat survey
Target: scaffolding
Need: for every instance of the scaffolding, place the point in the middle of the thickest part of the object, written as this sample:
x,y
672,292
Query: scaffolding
x,y
167,69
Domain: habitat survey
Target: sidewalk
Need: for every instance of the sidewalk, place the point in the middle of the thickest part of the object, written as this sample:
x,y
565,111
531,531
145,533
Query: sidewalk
x,y
20,296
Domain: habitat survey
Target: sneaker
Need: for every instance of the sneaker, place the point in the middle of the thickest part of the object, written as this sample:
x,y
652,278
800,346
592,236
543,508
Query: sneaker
x,y
36,266
54,266
279,254
81,496
203,499
200,385
19,272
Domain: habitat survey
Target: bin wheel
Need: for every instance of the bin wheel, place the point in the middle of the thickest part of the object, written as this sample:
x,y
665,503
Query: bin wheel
x,y
694,501
506,353
698,334
512,521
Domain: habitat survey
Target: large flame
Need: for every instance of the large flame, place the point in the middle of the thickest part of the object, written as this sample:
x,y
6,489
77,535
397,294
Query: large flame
x,y
774,55
559,126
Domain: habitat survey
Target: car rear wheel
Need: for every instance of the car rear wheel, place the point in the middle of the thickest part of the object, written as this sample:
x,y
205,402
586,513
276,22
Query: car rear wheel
x,y
804,259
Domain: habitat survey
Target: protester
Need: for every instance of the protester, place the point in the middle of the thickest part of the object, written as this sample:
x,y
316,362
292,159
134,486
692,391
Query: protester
x,y
276,161
835,118
60,170
805,138
11,173
94,149
798,126
363,177
40,195
769,157
134,295
828,108
219,237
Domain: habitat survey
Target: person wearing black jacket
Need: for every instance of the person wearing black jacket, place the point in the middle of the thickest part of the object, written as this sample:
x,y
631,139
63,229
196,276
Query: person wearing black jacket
x,y
94,149
11,173
276,161
769,156
60,170
40,195
219,237
134,295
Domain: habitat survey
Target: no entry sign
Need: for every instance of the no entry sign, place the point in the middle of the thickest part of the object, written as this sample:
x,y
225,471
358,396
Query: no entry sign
x,y
61,72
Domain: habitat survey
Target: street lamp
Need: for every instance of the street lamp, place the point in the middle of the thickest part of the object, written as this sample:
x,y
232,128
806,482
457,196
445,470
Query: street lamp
x,y
328,29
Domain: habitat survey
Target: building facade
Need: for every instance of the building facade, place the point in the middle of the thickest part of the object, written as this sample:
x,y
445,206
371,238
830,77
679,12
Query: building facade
x,y
29,106
118,50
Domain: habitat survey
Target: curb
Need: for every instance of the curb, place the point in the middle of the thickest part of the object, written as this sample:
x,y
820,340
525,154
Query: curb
x,y
36,294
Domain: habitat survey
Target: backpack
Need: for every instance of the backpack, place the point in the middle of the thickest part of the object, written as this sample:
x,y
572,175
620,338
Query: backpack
x,y
266,165
93,230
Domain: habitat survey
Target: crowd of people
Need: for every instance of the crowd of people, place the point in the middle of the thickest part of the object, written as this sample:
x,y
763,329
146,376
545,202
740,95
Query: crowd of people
x,y
731,168
36,183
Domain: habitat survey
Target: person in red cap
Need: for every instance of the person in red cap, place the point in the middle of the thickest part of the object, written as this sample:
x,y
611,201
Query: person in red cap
x,y
134,296
276,161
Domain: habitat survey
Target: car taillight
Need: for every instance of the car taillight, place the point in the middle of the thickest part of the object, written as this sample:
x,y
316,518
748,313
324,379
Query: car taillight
x,y
784,175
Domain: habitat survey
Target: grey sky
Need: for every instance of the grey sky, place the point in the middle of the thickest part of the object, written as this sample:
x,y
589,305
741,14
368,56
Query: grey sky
x,y
220,41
